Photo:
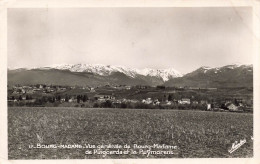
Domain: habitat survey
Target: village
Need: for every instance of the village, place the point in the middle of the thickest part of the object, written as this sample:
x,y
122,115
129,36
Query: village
x,y
122,96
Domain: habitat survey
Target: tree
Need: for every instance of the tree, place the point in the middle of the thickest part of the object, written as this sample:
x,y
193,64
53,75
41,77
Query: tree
x,y
236,102
58,98
107,104
170,97
49,99
78,98
160,87
85,98
66,98
20,98
123,105
44,99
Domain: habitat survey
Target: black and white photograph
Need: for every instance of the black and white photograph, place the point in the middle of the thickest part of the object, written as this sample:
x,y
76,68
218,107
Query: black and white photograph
x,y
130,82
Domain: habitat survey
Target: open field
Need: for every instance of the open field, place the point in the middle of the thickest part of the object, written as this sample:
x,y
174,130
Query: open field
x,y
196,134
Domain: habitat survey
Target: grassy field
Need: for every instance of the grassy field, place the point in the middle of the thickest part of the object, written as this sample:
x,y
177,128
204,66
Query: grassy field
x,y
196,134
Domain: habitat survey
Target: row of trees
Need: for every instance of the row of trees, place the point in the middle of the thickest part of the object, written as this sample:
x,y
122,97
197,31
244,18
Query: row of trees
x,y
82,102
82,98
51,99
140,105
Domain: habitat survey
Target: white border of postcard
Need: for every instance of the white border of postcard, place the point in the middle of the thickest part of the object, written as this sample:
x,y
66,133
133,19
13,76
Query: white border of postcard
x,y
5,4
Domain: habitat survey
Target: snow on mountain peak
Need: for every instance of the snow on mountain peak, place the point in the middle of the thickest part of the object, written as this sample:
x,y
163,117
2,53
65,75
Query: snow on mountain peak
x,y
165,74
206,67
237,65
106,70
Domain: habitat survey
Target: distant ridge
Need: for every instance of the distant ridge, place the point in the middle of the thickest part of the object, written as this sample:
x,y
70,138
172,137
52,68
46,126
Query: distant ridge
x,y
233,75
106,70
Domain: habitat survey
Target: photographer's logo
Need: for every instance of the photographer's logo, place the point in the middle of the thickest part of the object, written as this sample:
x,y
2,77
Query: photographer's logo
x,y
236,145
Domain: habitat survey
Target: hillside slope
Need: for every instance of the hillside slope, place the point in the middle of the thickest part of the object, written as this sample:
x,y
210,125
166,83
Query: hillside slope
x,y
227,76
65,77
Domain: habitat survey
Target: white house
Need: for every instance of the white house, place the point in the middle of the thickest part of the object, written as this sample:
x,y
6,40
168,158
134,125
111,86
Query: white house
x,y
103,97
147,101
195,102
156,102
184,101
168,103
72,100
232,107
208,106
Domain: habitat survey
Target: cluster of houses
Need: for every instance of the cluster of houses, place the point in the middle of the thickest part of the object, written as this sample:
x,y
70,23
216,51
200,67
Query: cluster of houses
x,y
44,89
224,106
183,101
37,89
40,88
120,87
237,106
227,106
20,93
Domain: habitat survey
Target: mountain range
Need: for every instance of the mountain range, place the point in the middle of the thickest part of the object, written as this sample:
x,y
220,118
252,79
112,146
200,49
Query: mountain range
x,y
234,75
227,76
106,70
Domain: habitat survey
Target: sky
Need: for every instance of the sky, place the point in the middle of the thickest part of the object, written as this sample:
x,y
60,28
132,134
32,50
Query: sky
x,y
180,38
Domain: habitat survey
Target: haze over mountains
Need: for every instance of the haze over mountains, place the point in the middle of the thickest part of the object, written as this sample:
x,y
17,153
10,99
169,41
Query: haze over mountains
x,y
234,75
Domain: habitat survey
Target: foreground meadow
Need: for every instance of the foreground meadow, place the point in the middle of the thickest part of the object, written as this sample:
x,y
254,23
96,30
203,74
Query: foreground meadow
x,y
196,134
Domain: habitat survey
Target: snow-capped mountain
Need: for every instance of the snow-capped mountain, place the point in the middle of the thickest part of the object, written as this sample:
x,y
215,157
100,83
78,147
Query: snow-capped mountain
x,y
106,70
216,70
165,74
233,75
